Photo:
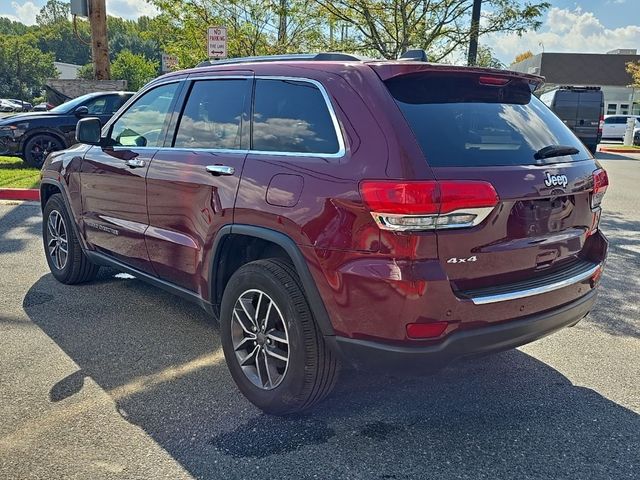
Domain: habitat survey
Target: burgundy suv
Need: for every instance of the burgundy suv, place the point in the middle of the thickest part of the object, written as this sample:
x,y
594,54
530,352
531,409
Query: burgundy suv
x,y
328,209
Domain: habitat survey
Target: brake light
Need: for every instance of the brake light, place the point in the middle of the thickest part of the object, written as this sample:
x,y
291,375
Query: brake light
x,y
494,81
600,184
600,125
427,205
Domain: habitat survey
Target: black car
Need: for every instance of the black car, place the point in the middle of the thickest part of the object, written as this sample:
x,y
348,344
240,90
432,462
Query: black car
x,y
581,109
34,135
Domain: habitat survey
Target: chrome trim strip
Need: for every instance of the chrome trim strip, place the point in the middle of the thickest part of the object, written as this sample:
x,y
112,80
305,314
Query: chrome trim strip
x,y
480,215
503,297
194,78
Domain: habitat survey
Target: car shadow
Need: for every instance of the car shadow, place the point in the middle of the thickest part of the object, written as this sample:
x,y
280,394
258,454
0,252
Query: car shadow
x,y
16,219
619,296
158,357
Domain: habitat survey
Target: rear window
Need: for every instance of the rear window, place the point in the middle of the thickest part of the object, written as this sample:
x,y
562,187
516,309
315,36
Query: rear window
x,y
459,122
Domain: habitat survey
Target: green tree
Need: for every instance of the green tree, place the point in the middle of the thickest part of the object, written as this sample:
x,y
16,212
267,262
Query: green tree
x,y
65,44
254,27
23,67
54,11
135,69
486,58
86,71
11,27
388,28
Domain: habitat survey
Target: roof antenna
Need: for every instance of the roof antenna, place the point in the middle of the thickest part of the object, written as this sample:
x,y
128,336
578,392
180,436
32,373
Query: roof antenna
x,y
415,55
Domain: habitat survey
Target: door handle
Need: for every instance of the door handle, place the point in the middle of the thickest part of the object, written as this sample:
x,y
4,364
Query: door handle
x,y
135,163
220,170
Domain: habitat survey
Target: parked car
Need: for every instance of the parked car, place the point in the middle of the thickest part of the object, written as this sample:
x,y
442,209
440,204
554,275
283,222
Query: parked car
x,y
581,109
43,107
615,126
7,106
33,135
388,214
22,105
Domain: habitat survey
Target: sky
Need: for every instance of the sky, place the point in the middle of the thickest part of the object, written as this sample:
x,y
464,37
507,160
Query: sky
x,y
587,26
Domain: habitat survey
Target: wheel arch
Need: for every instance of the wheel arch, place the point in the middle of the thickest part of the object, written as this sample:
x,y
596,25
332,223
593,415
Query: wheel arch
x,y
49,187
237,244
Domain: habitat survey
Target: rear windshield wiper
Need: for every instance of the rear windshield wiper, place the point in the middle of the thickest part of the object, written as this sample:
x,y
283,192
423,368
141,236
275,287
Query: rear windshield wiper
x,y
555,151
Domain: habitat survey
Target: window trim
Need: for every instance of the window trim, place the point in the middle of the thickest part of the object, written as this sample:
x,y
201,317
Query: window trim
x,y
107,129
332,114
334,118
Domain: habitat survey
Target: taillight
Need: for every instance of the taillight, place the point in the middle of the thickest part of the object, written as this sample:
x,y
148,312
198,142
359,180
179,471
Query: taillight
x,y
600,184
600,125
428,205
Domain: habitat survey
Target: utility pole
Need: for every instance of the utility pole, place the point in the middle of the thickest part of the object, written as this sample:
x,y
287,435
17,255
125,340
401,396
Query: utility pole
x,y
475,31
282,26
99,44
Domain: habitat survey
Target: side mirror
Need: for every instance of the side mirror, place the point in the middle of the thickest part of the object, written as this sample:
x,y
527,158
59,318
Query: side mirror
x,y
81,111
88,131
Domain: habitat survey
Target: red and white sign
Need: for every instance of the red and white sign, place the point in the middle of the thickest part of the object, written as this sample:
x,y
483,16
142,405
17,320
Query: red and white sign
x,y
217,41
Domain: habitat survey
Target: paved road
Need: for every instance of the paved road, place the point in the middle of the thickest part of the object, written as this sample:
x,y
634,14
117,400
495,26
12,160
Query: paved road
x,y
118,380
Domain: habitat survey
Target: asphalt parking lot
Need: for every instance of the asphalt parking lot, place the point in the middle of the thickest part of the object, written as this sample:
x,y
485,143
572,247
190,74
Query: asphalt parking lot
x,y
115,379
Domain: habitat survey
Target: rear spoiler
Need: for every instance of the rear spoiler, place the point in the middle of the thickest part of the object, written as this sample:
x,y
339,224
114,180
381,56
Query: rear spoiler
x,y
388,70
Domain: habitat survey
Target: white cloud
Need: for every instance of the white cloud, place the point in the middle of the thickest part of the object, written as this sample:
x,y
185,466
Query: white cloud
x,y
566,30
25,13
130,9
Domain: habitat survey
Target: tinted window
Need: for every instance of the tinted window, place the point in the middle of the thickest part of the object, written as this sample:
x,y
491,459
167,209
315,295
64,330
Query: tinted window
x,y
212,116
610,120
142,124
292,116
459,122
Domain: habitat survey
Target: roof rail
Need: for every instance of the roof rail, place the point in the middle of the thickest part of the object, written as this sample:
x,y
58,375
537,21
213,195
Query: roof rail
x,y
324,56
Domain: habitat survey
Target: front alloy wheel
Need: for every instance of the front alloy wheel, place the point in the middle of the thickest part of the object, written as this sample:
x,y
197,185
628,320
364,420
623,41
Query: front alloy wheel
x,y
260,339
57,241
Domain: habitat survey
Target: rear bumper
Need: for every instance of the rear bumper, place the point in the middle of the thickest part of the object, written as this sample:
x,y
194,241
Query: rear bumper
x,y
476,341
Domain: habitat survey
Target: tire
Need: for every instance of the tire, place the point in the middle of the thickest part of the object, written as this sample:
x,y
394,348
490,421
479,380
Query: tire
x,y
38,147
74,266
312,368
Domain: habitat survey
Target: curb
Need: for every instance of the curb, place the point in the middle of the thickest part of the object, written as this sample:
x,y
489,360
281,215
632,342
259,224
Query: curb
x,y
32,194
620,150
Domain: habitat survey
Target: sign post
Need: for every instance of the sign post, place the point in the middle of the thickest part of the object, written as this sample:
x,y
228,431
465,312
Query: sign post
x,y
169,62
217,42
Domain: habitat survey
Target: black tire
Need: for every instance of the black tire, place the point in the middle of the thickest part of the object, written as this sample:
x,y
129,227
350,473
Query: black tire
x,y
38,147
312,368
74,266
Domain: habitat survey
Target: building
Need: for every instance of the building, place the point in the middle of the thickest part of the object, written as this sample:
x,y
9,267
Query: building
x,y
66,71
605,70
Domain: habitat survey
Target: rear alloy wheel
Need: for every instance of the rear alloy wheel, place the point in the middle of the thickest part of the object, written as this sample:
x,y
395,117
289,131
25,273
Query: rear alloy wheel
x,y
273,347
38,147
65,257
260,339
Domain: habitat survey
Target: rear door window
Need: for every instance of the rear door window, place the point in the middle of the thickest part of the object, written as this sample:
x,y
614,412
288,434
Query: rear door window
x,y
292,117
459,122
212,116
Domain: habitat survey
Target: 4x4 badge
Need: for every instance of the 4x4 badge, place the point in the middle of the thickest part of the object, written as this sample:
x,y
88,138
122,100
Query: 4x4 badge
x,y
556,180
